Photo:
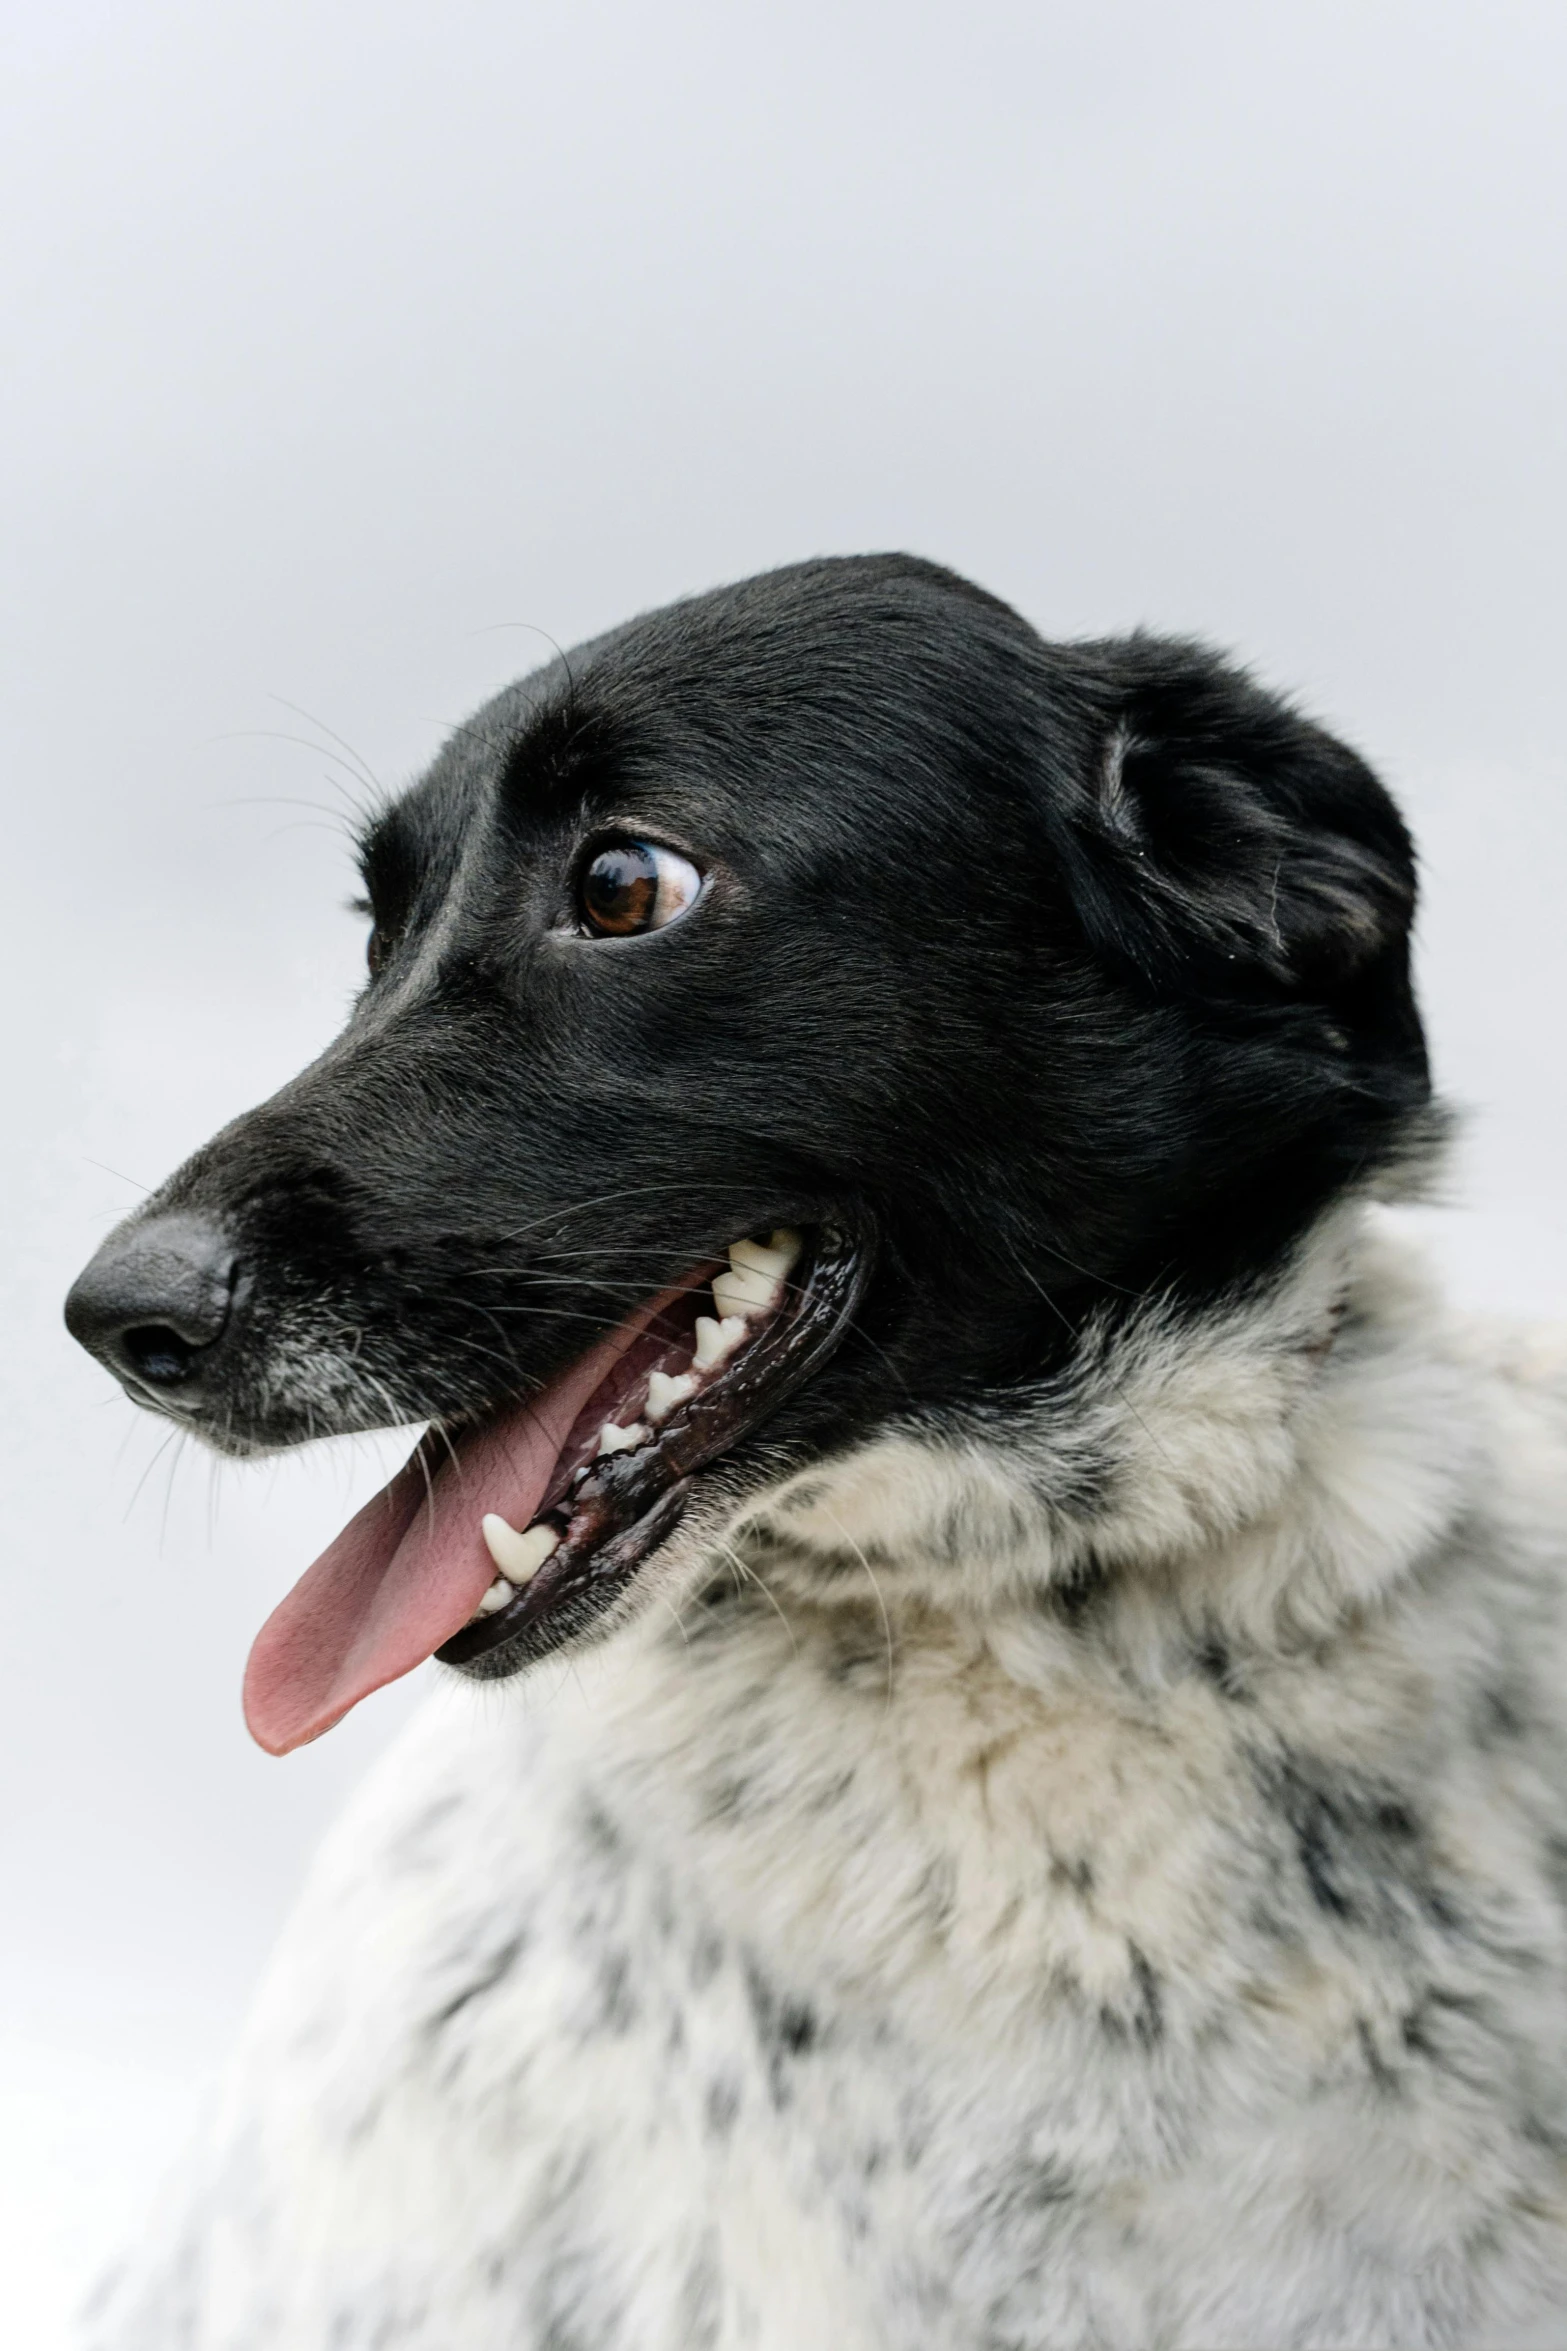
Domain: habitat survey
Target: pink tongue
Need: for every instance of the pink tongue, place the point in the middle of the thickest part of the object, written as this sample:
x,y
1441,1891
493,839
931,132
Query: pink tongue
x,y
411,1567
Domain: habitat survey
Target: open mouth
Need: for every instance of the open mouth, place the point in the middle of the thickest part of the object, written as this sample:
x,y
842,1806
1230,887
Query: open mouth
x,y
495,1544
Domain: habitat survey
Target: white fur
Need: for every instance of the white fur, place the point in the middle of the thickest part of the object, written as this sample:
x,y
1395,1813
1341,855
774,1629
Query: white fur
x,y
1093,1876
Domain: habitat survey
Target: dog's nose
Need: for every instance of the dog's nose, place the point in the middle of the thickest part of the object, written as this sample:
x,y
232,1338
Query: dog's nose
x,y
154,1299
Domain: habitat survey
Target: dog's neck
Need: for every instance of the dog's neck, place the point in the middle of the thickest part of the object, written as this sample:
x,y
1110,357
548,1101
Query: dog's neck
x,y
1059,1638
1254,1473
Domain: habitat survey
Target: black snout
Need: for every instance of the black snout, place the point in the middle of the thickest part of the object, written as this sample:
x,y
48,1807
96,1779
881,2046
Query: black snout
x,y
154,1300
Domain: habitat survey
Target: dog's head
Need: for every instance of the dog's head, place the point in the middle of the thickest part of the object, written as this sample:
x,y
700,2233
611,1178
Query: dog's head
x,y
791,1015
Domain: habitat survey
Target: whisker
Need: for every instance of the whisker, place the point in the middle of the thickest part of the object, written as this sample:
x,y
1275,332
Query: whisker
x,y
168,1485
746,1569
361,764
162,1448
305,743
120,1178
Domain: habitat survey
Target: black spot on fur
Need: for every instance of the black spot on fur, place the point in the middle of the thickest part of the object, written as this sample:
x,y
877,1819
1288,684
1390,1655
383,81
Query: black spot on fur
x,y
600,1834
1415,2031
1022,2189
787,2030
937,1895
1078,1874
1077,1598
1148,2019
713,1610
796,2029
855,1666
1215,1661
727,1796
1455,2033
707,1957
1142,2017
364,2124
618,2009
495,1972
1361,1848
720,2106
832,1792
1382,2074
1499,1716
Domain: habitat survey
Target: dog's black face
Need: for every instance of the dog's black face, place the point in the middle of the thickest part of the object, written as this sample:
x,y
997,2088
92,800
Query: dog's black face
x,y
1005,981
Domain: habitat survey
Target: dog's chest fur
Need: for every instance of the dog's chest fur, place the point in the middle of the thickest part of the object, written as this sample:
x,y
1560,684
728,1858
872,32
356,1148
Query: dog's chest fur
x,y
976,1923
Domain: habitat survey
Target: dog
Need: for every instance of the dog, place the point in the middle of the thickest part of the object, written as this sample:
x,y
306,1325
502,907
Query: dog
x,y
868,1141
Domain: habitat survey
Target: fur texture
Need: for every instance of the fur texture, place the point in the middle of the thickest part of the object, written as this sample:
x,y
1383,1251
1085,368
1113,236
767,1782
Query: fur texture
x,y
1064,1849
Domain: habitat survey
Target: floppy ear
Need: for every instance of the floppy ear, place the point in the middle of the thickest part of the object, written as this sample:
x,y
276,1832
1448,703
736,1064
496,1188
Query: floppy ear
x,y
1221,844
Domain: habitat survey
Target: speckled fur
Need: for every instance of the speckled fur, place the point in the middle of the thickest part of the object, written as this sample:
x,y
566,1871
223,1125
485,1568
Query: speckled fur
x,y
1096,1877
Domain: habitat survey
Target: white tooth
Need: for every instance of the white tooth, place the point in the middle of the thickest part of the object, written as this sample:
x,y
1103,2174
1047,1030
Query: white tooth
x,y
519,1557
665,1391
496,1597
775,1260
745,1291
756,1274
614,1439
717,1340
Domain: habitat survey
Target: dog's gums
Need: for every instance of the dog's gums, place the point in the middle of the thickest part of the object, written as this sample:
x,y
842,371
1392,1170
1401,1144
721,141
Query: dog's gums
x,y
748,1295
567,1494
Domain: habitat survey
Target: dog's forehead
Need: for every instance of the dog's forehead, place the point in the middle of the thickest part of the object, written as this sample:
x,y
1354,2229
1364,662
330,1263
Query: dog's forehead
x,y
700,773
851,690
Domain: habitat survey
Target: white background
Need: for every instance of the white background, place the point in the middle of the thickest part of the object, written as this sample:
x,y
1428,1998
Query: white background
x,y
348,345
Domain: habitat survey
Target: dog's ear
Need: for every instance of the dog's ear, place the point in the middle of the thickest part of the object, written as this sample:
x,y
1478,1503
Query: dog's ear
x,y
1216,842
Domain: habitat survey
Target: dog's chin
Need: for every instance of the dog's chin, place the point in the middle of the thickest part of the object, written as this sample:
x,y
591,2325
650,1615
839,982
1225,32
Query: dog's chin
x,y
509,1534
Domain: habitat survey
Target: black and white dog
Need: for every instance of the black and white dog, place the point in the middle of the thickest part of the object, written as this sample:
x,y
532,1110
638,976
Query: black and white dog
x,y
863,1141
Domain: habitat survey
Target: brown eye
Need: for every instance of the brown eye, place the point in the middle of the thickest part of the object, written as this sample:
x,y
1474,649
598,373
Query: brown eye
x,y
633,886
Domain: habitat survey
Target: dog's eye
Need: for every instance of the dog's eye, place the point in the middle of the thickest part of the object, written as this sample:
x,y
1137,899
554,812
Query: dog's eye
x,y
628,887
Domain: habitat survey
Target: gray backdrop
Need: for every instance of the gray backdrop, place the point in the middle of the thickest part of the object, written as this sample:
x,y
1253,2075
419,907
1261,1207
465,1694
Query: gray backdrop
x,y
349,345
